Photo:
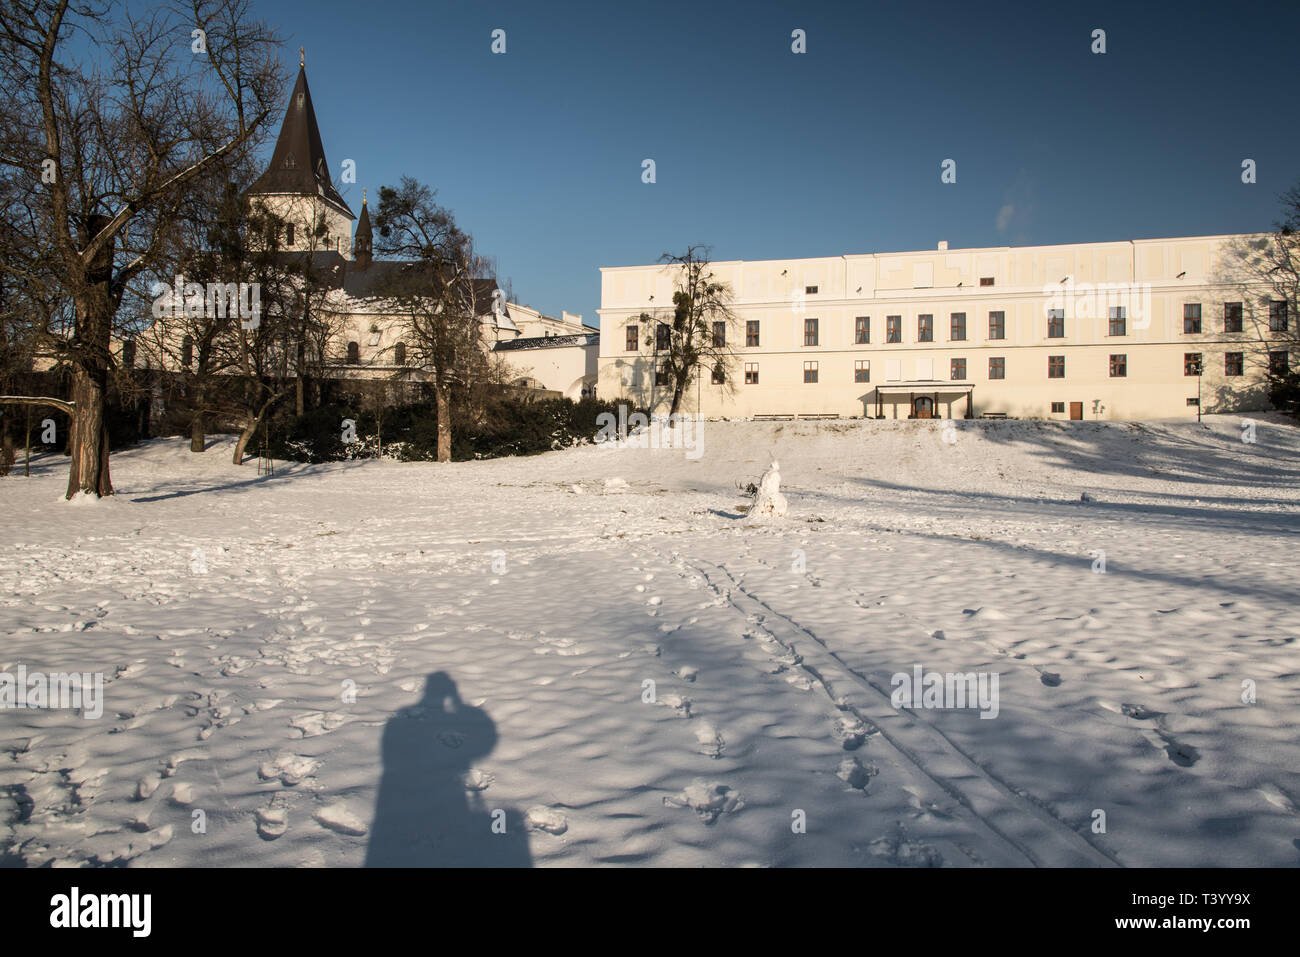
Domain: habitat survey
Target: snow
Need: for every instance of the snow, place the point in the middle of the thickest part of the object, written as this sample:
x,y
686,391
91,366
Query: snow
x,y
453,664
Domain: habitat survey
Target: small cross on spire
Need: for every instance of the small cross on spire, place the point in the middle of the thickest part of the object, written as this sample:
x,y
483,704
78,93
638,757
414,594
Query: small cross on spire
x,y
302,57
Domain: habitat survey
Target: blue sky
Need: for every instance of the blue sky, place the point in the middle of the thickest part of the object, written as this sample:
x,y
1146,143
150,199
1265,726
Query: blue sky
x,y
763,153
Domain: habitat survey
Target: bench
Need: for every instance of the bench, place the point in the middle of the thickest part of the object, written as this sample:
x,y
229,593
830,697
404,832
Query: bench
x,y
774,418
993,415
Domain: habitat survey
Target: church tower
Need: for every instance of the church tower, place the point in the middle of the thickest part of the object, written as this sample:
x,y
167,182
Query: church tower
x,y
362,247
297,184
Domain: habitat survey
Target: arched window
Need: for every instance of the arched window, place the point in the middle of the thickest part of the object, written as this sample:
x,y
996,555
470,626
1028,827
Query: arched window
x,y
399,354
187,351
354,354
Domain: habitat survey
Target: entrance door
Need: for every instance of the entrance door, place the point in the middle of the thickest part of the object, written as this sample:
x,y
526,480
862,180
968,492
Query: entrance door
x,y
923,407
1076,410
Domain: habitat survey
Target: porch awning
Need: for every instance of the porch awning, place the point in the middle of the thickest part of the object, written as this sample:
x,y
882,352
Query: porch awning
x,y
927,388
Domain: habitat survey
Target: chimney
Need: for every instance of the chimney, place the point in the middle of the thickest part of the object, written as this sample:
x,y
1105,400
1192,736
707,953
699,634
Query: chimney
x,y
943,245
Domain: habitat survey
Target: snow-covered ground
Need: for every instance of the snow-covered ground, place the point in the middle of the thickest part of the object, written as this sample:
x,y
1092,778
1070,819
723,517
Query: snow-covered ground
x,y
500,624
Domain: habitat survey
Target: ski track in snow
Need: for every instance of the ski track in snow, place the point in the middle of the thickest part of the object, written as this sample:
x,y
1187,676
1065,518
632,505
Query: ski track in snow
x,y
265,639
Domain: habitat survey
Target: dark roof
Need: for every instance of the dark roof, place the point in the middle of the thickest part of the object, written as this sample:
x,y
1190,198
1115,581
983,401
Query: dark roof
x,y
363,224
298,164
547,342
360,283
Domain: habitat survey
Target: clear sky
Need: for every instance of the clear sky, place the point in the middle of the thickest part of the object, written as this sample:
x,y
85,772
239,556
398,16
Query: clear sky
x,y
763,153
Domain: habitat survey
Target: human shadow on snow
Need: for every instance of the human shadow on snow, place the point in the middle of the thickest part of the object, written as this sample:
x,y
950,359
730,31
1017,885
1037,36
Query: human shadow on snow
x,y
425,816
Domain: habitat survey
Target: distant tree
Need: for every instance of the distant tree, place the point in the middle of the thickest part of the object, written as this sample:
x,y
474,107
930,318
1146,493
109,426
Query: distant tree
x,y
701,307
110,137
442,291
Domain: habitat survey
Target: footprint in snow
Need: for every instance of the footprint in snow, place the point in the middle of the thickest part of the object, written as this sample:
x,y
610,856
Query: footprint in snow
x,y
1183,755
855,774
708,799
542,818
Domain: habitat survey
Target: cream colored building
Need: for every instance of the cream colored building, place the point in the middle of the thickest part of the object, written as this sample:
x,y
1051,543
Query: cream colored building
x,y
1110,330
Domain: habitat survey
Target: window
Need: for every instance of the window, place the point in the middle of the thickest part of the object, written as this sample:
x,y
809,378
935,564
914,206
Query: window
x,y
997,325
1191,318
1118,366
128,353
893,328
719,376
1056,323
810,332
1058,406
632,334
288,234
1118,321
1191,363
399,354
751,333
997,367
661,375
861,370
1232,317
810,372
1056,367
1193,401
751,373
354,353
958,370
986,280
810,290
958,327
1278,363
187,351
862,330
1234,363
925,327
663,338
1277,316
719,335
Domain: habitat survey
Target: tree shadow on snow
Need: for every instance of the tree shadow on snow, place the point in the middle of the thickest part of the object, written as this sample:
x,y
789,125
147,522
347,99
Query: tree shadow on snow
x,y
426,815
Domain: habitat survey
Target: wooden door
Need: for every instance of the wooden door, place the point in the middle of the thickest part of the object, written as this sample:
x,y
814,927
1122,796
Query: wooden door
x,y
1076,410
923,407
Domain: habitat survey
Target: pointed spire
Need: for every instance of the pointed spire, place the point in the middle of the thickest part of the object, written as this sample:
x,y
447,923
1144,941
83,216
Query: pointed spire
x,y
298,165
362,246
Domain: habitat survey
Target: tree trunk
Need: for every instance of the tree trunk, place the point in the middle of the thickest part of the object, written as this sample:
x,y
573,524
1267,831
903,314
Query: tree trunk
x,y
6,451
442,399
298,388
197,433
245,437
88,434
678,390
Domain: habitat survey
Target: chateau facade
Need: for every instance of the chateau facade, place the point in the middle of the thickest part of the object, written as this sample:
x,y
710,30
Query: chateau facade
x,y
1147,328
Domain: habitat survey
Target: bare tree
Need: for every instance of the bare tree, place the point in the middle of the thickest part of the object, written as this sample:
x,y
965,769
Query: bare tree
x,y
442,291
1262,274
114,147
699,337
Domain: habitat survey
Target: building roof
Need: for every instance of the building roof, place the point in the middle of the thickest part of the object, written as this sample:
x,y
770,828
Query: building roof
x,y
365,283
298,165
547,342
